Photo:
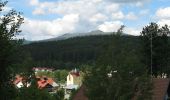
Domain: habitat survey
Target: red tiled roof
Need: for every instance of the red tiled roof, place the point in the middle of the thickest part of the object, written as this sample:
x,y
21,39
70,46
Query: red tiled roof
x,y
50,81
42,82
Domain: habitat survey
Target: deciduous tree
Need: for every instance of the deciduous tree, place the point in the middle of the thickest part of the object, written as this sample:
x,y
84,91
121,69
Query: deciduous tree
x,y
9,27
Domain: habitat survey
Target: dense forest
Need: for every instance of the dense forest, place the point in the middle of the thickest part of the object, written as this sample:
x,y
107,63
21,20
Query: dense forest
x,y
75,51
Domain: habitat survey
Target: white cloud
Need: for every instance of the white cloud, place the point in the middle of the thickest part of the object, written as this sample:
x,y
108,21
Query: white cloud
x,y
88,15
163,13
55,27
117,15
79,6
110,26
128,1
38,11
113,7
75,7
163,16
132,31
131,16
98,18
139,4
115,25
98,11
162,22
96,1
47,4
120,16
144,12
34,2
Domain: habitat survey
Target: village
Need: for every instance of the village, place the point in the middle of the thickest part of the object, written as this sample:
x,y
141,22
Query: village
x,y
71,82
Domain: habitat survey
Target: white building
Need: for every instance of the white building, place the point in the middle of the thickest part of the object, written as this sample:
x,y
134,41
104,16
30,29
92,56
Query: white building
x,y
74,78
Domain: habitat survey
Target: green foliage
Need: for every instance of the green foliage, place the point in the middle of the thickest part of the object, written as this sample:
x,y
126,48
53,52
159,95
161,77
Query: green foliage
x,y
9,27
66,54
155,44
23,64
73,92
59,95
48,74
33,93
14,60
120,30
59,75
128,76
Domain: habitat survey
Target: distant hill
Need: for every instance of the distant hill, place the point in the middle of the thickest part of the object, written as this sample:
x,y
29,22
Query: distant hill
x,y
71,35
70,51
27,42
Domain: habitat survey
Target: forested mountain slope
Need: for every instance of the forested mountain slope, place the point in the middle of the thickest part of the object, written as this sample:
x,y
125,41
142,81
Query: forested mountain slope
x,y
77,50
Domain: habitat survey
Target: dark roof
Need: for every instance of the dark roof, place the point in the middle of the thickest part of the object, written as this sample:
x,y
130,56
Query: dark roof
x,y
160,88
80,95
75,73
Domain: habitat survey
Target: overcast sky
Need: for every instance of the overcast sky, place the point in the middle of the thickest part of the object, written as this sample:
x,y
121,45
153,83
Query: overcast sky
x,y
51,18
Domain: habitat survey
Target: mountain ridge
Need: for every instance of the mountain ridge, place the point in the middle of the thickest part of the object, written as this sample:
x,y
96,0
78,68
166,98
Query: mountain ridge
x,y
72,35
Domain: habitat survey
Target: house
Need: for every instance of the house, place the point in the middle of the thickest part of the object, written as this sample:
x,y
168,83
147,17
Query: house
x,y
42,69
42,82
19,82
74,78
47,83
74,81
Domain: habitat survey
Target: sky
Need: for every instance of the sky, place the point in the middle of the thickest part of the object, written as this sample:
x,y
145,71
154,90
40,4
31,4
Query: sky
x,y
45,19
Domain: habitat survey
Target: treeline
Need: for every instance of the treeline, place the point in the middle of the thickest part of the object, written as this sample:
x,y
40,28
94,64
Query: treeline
x,y
76,51
125,72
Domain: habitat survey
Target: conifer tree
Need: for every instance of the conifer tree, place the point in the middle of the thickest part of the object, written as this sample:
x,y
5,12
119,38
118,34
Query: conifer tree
x,y
156,48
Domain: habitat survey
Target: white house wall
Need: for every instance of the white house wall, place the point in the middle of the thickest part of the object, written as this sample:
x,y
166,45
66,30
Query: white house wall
x,y
70,79
19,85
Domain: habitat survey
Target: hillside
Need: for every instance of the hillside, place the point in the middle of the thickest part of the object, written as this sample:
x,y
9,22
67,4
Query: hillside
x,y
77,50
73,35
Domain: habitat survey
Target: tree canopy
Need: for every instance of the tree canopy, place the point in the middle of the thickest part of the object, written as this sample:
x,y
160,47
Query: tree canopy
x,y
156,48
118,74
9,27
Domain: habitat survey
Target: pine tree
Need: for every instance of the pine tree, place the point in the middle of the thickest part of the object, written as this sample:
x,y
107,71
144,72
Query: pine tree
x,y
156,48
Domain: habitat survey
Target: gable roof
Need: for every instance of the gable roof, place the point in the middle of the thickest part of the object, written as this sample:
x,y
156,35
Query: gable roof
x,y
44,82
